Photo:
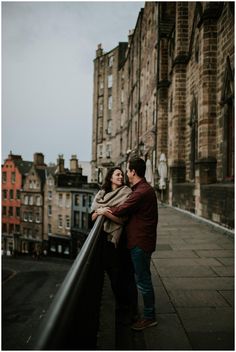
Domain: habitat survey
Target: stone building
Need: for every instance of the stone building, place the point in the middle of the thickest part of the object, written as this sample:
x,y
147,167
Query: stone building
x,y
66,224
172,103
32,199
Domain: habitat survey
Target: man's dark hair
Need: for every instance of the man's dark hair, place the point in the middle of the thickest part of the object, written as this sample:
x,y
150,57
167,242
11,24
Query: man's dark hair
x,y
138,165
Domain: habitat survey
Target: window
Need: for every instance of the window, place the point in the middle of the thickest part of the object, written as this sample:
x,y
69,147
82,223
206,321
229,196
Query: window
x,y
25,216
76,219
31,184
108,150
90,200
31,200
77,199
109,127
100,150
109,78
38,200
100,129
84,200
37,217
18,212
17,228
49,229
4,194
110,61
17,194
4,177
60,199
26,200
84,221
49,210
110,102
11,194
11,228
227,104
30,216
100,112
49,194
13,177
100,80
67,200
50,181
67,222
4,211
60,223
10,211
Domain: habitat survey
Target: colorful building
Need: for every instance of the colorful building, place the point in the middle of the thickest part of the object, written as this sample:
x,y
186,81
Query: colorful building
x,y
14,171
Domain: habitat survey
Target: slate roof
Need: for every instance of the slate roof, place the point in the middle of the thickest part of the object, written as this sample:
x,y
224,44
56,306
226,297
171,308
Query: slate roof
x,y
23,166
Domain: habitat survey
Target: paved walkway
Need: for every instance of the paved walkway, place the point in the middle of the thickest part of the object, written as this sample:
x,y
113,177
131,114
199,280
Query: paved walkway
x,y
193,277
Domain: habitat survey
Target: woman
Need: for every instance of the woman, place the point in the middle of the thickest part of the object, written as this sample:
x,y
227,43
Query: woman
x,y
116,258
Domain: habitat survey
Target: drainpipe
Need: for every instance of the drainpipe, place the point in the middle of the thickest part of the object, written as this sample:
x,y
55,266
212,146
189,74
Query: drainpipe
x,y
139,77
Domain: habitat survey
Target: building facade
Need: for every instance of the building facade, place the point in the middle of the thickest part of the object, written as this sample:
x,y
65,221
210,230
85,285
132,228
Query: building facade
x,y
32,203
66,208
45,209
14,170
172,104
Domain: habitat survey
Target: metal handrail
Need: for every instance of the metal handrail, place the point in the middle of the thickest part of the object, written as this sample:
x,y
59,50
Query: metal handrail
x,y
72,320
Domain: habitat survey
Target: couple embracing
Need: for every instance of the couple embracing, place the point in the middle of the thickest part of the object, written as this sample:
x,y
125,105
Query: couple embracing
x,y
129,237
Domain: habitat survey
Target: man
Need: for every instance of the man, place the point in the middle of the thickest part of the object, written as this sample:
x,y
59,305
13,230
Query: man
x,y
141,208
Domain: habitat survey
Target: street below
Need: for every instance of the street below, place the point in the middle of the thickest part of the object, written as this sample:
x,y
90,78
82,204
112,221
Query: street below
x,y
28,288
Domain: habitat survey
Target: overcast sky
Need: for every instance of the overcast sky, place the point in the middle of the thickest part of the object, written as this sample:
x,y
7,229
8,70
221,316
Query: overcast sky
x,y
48,50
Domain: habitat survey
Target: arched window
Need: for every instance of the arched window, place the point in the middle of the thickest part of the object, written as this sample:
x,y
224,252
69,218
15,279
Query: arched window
x,y
227,104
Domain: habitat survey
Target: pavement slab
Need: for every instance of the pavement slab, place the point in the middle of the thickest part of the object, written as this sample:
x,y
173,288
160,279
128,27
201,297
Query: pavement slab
x,y
205,283
169,334
224,270
197,298
229,296
174,254
207,319
186,271
193,279
222,253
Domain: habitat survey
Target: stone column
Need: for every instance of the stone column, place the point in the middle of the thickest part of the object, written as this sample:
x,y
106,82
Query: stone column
x,y
205,171
177,123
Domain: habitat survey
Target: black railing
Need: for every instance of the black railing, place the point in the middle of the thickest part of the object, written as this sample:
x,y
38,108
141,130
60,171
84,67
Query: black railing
x,y
71,322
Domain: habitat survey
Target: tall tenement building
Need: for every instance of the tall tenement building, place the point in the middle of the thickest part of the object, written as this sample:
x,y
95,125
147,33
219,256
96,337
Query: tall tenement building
x,y
167,95
45,209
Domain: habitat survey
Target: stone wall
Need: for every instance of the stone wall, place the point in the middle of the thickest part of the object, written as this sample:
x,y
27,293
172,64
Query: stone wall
x,y
173,94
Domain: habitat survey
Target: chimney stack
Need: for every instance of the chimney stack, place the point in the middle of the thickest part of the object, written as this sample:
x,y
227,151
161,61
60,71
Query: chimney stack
x,y
74,167
39,160
14,156
60,164
99,51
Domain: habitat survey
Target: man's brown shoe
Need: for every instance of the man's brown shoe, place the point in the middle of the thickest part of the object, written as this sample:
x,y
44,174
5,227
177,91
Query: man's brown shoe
x,y
143,324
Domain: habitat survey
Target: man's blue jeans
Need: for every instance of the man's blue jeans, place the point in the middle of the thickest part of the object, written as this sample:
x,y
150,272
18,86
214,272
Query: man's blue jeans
x,y
141,262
